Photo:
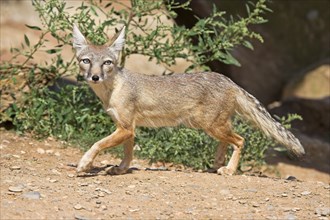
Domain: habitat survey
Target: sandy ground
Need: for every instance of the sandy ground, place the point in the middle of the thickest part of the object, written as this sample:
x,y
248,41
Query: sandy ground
x,y
38,181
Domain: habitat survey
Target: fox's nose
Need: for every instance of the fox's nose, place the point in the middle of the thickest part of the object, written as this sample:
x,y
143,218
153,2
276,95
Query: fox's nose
x,y
95,78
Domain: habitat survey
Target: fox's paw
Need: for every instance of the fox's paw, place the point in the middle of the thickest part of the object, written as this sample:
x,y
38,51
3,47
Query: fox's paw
x,y
225,171
84,165
115,170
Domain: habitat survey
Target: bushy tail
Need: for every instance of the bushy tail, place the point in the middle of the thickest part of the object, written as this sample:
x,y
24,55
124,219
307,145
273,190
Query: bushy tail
x,y
250,108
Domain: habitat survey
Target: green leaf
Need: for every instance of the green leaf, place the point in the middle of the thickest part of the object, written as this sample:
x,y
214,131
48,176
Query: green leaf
x,y
52,51
229,59
33,27
247,44
27,41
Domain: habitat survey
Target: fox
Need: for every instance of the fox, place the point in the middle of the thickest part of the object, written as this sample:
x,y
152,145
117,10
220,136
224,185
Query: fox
x,y
204,100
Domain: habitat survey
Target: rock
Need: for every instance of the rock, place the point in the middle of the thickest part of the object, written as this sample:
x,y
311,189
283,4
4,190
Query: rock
x,y
15,168
305,193
78,207
312,83
103,207
32,195
325,211
291,178
53,180
40,151
15,188
80,217
49,151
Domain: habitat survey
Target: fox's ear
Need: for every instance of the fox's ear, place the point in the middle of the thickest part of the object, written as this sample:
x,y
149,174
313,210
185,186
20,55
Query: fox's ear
x,y
118,43
79,41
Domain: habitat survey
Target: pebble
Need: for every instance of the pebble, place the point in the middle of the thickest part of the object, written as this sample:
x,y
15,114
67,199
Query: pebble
x,y
15,188
40,151
78,207
15,168
284,195
305,193
71,175
103,207
49,151
242,201
53,180
32,195
80,217
323,211
57,154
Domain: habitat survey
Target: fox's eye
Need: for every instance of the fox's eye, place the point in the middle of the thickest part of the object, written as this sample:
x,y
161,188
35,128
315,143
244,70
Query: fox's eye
x,y
86,61
107,62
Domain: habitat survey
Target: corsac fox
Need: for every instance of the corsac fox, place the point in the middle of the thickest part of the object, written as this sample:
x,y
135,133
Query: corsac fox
x,y
205,100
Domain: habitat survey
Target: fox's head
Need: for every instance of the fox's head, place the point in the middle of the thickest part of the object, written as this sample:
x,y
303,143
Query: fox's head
x,y
97,62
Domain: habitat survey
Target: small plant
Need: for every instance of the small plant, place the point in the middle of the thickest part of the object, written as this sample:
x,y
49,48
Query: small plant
x,y
75,114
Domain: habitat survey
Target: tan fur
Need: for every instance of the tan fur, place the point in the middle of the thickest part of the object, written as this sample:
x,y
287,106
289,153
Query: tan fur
x,y
205,100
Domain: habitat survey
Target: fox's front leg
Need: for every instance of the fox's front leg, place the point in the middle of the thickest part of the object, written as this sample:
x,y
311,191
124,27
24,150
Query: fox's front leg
x,y
116,138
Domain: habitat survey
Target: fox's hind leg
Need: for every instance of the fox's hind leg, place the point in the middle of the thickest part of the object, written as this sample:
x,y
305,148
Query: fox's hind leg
x,y
220,156
225,134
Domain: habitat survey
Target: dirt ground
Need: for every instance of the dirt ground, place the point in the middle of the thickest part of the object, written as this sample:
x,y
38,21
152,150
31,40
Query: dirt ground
x,y
38,181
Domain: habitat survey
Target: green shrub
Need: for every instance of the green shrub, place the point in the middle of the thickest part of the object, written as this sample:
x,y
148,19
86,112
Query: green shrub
x,y
75,114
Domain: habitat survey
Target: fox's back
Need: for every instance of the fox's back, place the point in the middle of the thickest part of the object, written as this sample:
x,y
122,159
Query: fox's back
x,y
189,99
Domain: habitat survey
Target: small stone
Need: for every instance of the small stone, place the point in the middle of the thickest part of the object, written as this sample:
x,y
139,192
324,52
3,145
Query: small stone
x,y
15,188
98,202
55,171
305,193
78,207
290,216
80,217
255,205
291,178
323,211
284,195
40,151
57,154
133,210
15,168
32,195
103,207
131,186
242,201
71,175
53,180
49,151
